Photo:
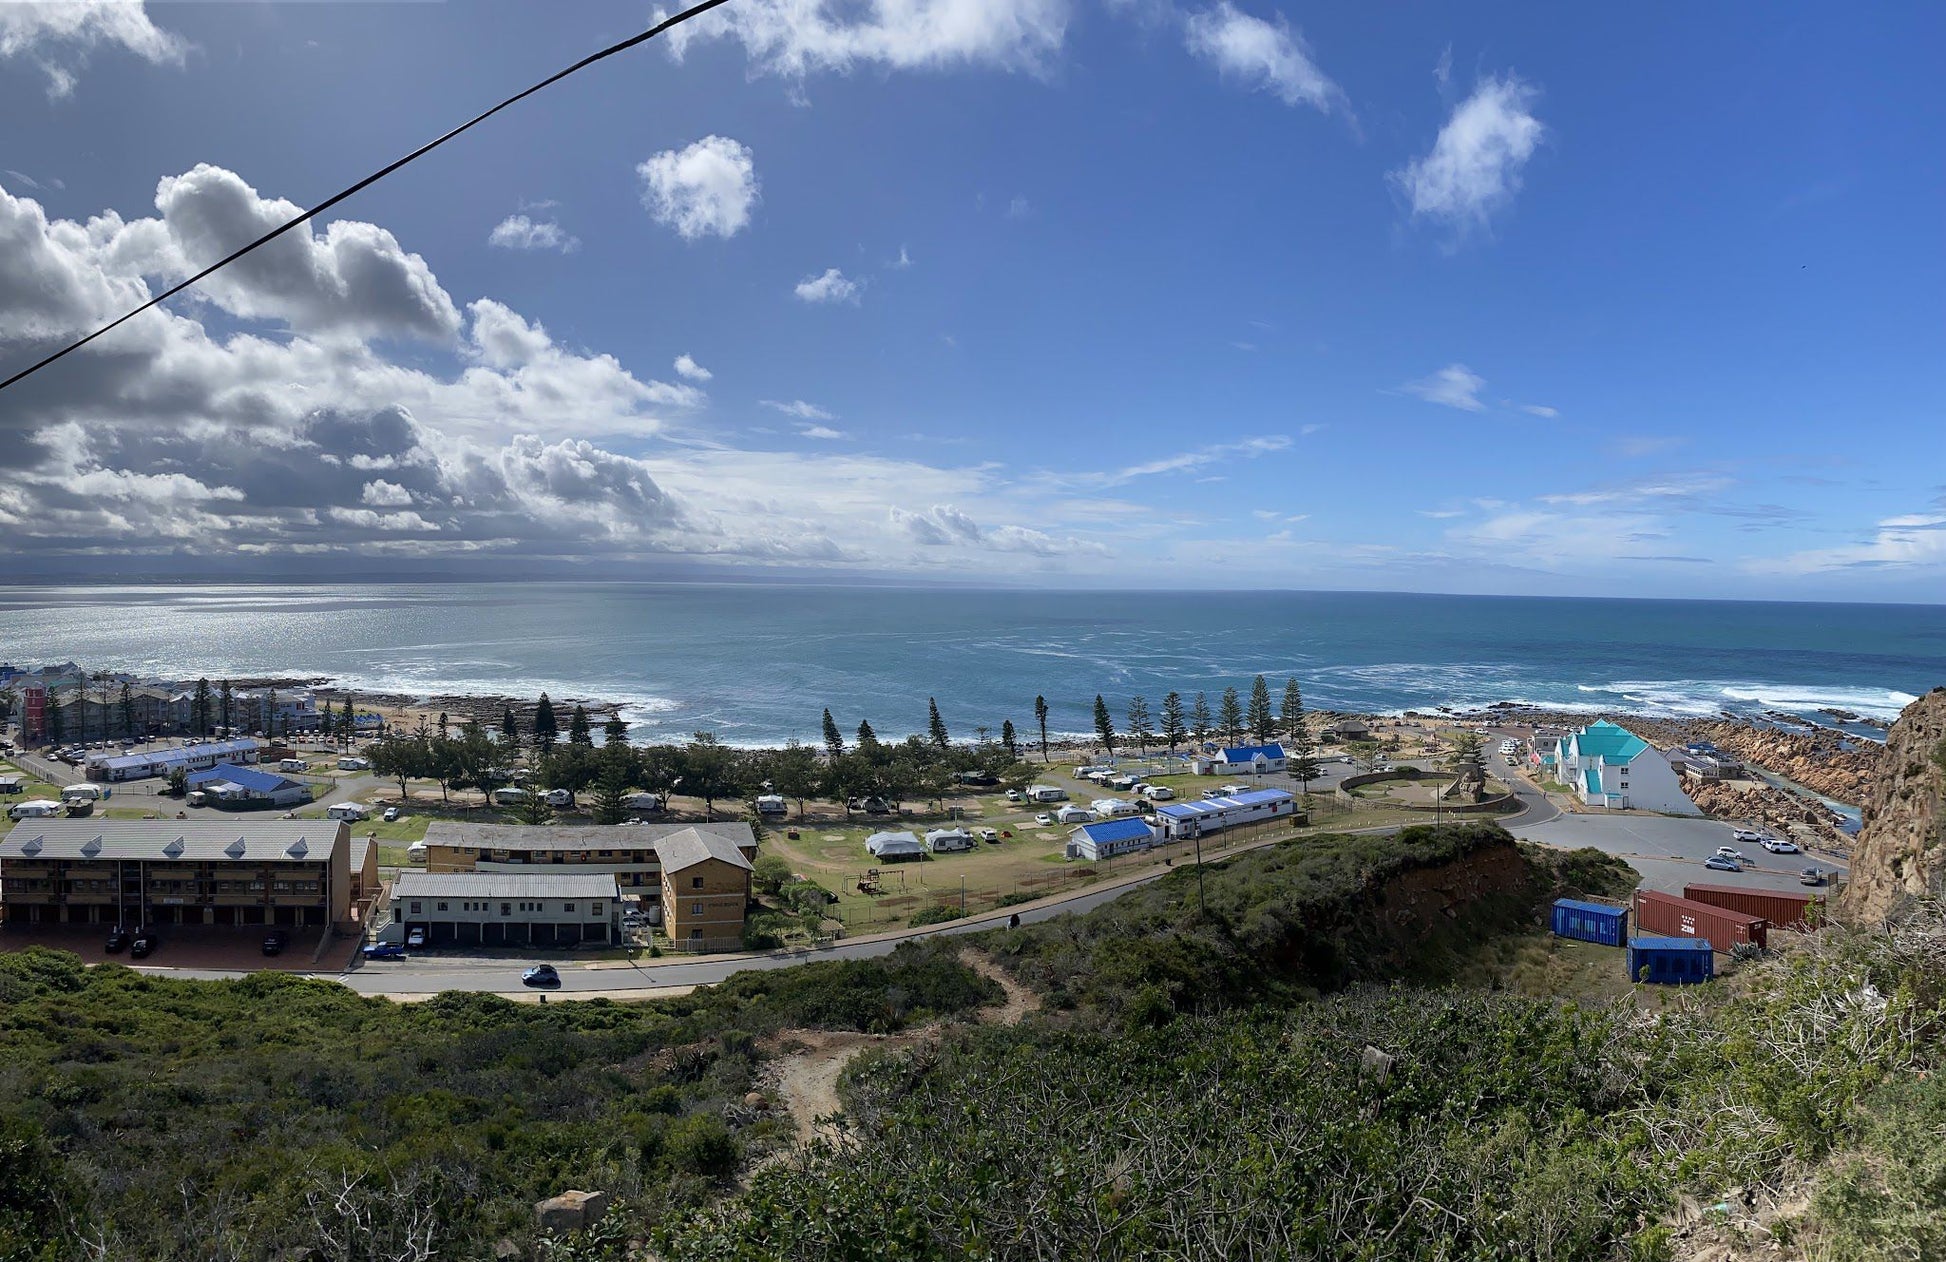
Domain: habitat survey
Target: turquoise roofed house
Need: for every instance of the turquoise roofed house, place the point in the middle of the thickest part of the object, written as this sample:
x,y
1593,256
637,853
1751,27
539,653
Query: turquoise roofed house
x,y
1613,769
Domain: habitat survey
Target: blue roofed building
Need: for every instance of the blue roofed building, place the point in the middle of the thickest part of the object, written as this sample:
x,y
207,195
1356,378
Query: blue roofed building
x,y
1110,837
1611,768
1239,760
247,788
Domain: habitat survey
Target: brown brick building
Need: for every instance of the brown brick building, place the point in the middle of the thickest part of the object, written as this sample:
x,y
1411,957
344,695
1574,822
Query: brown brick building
x,y
698,873
150,872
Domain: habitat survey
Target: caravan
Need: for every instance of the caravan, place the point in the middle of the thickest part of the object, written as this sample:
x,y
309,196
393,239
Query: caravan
x,y
1046,793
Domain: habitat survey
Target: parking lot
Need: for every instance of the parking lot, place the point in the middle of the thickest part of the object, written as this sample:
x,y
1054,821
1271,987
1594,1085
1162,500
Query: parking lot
x,y
1669,852
199,947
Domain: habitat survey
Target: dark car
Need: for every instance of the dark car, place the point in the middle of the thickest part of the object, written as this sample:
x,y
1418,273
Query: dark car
x,y
117,941
540,975
143,945
275,941
384,951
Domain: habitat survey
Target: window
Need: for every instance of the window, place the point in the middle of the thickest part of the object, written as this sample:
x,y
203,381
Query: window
x,y
567,907
442,907
695,882
594,909
415,909
506,909
695,909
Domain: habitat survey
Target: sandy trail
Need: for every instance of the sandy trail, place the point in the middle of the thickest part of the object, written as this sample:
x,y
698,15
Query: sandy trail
x,y
807,1081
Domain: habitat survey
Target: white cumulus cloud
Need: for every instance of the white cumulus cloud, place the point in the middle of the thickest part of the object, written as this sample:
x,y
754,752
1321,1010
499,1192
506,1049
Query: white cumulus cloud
x,y
57,38
690,369
1474,167
1266,55
706,189
831,286
518,232
792,38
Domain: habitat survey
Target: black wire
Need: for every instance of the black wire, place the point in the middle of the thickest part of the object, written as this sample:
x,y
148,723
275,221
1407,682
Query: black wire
x,y
371,179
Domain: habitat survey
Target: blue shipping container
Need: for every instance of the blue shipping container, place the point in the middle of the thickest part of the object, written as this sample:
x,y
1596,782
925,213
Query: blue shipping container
x,y
1590,922
1670,961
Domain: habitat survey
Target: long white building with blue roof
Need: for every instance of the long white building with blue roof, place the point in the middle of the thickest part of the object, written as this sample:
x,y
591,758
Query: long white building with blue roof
x,y
1179,821
1108,838
1611,768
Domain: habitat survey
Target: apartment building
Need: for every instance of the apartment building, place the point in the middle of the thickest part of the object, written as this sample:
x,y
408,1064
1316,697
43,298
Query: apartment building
x,y
149,872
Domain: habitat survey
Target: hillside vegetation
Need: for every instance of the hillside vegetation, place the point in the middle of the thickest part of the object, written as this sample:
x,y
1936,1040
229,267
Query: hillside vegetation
x,y
1193,1103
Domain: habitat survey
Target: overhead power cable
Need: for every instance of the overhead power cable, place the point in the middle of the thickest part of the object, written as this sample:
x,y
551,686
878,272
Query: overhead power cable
x,y
373,178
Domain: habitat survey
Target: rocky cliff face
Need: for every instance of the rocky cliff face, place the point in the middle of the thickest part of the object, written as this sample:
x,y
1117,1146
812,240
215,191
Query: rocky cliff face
x,y
1902,852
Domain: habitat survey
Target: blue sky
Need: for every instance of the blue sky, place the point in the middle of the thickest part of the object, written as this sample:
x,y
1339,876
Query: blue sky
x,y
1528,299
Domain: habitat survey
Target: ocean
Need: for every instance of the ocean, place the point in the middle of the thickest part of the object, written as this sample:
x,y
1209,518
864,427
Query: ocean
x,y
758,664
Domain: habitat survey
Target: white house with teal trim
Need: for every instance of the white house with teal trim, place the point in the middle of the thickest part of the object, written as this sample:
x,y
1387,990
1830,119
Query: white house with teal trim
x,y
1612,768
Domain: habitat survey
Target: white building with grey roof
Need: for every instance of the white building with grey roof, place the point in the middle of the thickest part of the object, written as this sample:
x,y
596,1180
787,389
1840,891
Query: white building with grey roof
x,y
510,909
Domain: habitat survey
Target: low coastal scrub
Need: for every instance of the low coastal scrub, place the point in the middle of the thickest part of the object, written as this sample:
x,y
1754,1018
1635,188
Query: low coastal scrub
x,y
143,1117
1797,1104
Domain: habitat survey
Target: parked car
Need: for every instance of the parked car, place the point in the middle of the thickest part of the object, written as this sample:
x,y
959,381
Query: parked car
x,y
384,951
1777,845
391,815
117,941
143,946
1013,795
415,937
559,797
1721,864
275,941
990,835
1811,876
1730,853
540,975
1746,834
1044,819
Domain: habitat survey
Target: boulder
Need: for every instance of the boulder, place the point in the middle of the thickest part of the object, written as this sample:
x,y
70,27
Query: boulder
x,y
571,1210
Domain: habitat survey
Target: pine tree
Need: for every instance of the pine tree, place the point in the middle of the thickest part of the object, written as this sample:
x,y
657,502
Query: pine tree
x,y
615,730
1172,722
1199,720
578,733
1139,730
128,711
546,729
1104,725
1303,763
1009,741
867,738
270,716
223,704
199,709
510,728
1262,722
936,726
1229,718
834,741
610,802
1040,714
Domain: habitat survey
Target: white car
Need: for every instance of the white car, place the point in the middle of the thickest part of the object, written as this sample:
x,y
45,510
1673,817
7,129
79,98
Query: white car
x,y
1044,819
1730,853
391,814
990,835
1777,845
1746,834
1013,795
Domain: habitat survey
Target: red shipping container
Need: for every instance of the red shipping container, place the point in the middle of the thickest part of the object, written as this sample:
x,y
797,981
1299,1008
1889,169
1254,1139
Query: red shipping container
x,y
1781,908
1656,912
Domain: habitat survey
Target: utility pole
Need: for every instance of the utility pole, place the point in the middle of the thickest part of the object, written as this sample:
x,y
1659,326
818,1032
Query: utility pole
x,y
1201,896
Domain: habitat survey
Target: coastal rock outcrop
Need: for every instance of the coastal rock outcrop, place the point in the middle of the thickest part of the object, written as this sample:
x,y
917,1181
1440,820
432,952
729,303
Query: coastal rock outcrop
x,y
1901,854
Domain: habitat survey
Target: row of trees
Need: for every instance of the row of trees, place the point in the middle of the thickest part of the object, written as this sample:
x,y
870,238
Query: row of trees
x,y
916,769
1232,722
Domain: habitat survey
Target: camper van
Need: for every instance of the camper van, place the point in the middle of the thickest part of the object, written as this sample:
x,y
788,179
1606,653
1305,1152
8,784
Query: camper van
x,y
948,840
1046,793
347,811
416,852
38,808
509,797
292,764
80,793
772,804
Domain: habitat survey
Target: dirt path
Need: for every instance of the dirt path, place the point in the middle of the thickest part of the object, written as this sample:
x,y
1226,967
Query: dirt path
x,y
806,1081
